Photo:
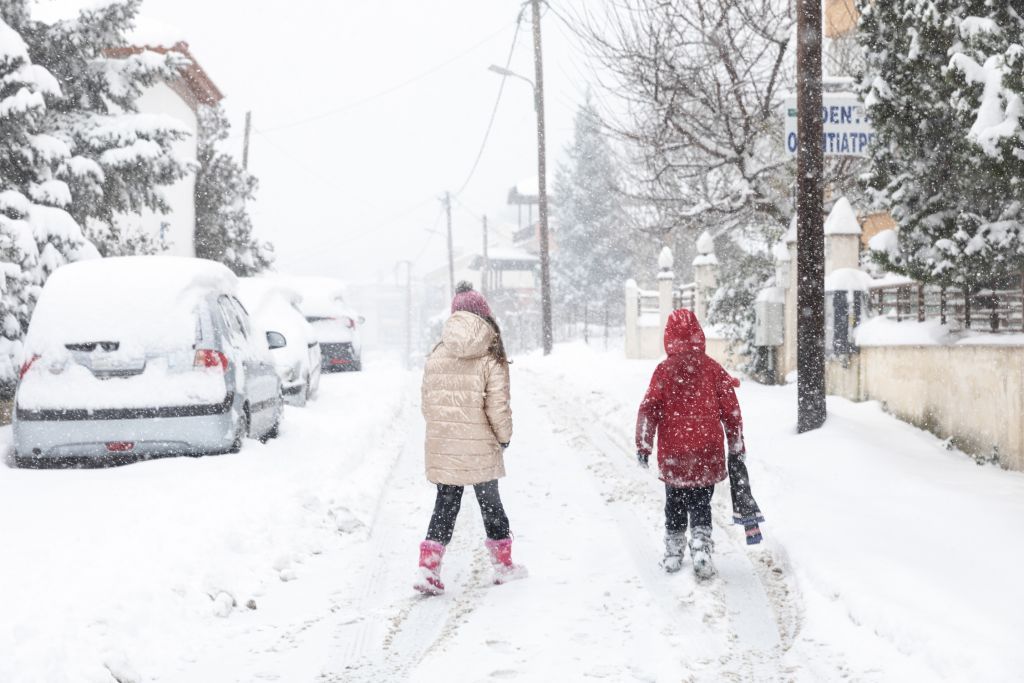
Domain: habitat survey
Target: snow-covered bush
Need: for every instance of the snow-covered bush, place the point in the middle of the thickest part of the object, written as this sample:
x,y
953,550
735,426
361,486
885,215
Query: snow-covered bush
x,y
943,83
223,225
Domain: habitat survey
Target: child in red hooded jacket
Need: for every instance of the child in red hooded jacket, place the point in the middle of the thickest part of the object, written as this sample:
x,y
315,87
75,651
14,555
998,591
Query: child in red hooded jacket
x,y
689,400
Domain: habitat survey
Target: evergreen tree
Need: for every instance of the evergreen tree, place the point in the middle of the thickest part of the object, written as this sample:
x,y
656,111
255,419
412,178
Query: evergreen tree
x,y
120,159
37,235
593,258
943,83
223,225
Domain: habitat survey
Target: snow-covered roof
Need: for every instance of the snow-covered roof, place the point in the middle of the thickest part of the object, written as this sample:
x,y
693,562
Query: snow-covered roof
x,y
528,186
195,85
842,220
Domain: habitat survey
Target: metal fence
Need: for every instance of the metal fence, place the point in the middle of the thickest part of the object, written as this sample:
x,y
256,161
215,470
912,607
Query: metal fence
x,y
994,310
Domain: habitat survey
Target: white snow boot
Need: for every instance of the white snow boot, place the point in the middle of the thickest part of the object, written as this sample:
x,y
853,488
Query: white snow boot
x,y
701,548
675,547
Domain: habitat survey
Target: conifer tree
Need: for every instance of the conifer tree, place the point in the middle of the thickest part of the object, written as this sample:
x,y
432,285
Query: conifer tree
x,y
37,235
223,225
943,83
594,256
120,159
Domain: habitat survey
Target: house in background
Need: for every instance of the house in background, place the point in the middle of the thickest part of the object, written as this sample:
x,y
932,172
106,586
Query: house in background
x,y
179,98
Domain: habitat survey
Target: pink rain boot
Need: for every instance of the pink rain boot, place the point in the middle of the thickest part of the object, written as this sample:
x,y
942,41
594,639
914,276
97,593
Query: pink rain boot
x,y
429,581
501,560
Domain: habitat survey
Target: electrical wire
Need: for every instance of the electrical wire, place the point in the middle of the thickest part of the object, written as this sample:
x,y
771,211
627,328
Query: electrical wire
x,y
387,91
494,109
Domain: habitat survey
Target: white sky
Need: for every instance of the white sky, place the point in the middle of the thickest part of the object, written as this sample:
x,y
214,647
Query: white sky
x,y
350,193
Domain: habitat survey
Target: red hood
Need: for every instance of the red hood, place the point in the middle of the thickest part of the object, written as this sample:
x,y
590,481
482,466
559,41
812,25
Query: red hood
x,y
683,334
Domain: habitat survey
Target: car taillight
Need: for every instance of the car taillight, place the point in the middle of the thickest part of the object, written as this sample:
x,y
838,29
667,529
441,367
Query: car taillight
x,y
26,365
120,446
208,358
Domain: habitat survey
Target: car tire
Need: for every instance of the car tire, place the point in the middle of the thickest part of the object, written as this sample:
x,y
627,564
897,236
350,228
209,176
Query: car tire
x,y
242,431
356,365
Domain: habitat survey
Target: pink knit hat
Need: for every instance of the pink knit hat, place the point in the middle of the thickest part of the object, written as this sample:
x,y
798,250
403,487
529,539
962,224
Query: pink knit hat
x,y
468,299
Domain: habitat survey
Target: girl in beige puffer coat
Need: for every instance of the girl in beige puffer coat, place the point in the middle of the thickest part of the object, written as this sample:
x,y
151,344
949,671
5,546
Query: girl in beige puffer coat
x,y
469,425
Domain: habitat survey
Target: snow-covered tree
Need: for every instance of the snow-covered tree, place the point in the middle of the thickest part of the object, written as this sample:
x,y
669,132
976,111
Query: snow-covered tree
x,y
223,226
943,82
37,234
594,255
120,159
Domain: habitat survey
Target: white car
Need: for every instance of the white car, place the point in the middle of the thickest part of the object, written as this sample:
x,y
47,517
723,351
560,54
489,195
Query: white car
x,y
275,307
336,325
143,356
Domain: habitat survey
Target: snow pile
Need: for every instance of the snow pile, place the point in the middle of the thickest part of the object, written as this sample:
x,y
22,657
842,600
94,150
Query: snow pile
x,y
137,573
145,302
883,331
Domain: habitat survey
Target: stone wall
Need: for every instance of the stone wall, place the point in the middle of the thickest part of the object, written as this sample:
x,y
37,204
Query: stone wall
x,y
973,394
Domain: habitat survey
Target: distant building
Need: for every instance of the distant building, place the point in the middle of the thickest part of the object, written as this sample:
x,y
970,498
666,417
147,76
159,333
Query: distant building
x,y
180,99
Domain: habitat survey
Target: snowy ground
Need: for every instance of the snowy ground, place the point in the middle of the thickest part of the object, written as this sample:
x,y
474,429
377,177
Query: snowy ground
x,y
886,556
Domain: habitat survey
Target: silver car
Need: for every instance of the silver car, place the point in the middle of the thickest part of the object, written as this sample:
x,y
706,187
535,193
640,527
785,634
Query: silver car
x,y
137,357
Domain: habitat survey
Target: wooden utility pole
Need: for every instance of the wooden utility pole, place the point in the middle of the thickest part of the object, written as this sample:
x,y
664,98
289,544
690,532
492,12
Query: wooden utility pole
x,y
451,249
810,240
547,336
245,142
485,269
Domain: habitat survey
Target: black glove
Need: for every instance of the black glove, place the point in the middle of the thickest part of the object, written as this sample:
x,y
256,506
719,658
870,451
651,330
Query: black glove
x,y
641,459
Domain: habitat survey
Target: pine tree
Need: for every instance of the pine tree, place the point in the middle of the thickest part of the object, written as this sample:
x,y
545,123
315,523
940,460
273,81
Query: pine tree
x,y
943,86
593,258
37,235
223,226
120,159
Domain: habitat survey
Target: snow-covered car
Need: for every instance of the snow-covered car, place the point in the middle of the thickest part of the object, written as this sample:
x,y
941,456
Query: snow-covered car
x,y
142,356
275,308
336,325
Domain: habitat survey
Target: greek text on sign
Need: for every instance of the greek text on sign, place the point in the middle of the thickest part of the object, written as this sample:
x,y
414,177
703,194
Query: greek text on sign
x,y
847,126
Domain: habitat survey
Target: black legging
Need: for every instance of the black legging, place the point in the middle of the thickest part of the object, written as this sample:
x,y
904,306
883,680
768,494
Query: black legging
x,y
680,501
448,503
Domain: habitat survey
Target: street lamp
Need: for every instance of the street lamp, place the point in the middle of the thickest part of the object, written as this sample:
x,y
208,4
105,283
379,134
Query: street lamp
x,y
547,336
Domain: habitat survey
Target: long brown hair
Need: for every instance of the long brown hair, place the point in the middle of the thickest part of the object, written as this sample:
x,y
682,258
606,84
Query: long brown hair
x,y
497,346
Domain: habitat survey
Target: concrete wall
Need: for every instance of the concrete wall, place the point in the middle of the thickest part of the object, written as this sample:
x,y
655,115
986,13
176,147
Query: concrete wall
x,y
972,394
180,224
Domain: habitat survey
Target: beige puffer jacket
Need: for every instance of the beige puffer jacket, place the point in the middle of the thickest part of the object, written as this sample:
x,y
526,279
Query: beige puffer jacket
x,y
466,405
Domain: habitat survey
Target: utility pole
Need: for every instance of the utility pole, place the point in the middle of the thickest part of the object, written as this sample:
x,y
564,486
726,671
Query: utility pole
x,y
245,142
547,336
810,239
451,249
486,268
408,310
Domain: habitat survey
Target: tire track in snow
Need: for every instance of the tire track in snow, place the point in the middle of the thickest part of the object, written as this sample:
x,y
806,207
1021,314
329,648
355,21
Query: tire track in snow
x,y
750,610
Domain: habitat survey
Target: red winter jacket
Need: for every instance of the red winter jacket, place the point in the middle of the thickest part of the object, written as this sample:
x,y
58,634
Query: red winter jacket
x,y
690,398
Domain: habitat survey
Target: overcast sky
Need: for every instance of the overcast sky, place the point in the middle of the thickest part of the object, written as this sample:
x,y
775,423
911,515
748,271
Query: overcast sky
x,y
349,177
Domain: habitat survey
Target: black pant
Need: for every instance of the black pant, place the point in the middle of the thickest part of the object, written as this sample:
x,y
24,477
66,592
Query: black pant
x,y
682,501
448,503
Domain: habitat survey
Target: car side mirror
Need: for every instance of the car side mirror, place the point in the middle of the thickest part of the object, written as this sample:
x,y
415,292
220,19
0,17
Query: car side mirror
x,y
361,320
276,340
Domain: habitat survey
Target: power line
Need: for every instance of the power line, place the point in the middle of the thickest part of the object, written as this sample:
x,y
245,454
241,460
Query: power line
x,y
494,109
423,74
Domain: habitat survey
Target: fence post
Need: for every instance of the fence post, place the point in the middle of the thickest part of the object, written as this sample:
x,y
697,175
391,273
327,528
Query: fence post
x,y
665,278
632,319
920,303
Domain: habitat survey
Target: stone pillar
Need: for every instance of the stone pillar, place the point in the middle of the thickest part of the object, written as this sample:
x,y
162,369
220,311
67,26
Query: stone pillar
x,y
632,319
842,237
705,275
665,278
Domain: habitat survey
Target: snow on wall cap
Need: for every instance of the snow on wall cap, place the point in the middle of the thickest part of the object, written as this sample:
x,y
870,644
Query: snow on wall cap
x,y
772,295
848,280
705,260
665,259
842,220
781,252
790,237
705,243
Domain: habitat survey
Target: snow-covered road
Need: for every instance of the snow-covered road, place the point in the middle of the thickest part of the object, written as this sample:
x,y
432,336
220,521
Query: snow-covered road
x,y
887,557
